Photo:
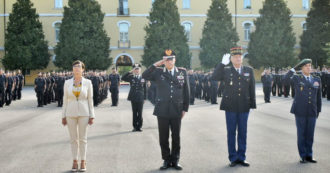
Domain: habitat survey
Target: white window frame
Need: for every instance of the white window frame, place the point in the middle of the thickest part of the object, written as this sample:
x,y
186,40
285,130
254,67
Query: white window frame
x,y
58,4
57,30
186,4
124,36
247,4
247,32
54,58
304,25
187,34
124,6
305,4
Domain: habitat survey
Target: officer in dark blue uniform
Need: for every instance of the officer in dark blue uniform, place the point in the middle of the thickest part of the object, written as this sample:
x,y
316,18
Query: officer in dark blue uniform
x,y
20,85
3,86
274,83
192,84
199,85
238,98
40,88
172,102
279,81
16,82
114,79
137,95
96,86
10,88
213,89
324,81
267,81
306,107
206,87
328,84
60,89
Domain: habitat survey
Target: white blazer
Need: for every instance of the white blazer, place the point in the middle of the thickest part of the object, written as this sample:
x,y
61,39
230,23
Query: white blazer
x,y
81,107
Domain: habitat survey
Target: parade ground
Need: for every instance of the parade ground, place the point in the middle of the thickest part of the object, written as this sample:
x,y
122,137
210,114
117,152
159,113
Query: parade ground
x,y
33,140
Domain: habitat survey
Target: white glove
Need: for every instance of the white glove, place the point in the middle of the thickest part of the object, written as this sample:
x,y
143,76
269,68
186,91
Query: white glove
x,y
225,59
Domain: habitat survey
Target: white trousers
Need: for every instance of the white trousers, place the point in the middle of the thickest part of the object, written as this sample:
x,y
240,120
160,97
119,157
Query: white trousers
x,y
78,134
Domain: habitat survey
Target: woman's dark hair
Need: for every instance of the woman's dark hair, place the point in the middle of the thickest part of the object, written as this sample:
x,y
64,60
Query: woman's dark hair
x,y
79,62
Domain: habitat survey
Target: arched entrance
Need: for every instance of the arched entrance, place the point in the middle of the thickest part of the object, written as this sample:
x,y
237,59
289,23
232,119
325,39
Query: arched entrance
x,y
123,63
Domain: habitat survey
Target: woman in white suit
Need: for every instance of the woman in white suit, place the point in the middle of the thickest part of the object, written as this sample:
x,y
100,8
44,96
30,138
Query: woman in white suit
x,y
78,112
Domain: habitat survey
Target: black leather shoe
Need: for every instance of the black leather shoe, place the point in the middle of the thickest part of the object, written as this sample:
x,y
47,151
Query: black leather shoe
x,y
139,130
303,160
310,159
244,163
166,165
233,164
134,130
177,166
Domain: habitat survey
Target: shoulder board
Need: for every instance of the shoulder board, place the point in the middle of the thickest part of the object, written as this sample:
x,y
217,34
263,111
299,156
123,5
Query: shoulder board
x,y
182,68
315,76
300,75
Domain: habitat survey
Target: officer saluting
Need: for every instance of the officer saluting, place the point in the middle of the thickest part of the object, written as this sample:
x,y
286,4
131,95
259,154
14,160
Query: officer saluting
x,y
238,97
172,102
137,94
306,107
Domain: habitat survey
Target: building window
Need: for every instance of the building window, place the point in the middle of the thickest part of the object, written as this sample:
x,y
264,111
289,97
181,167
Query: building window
x,y
247,4
305,4
54,58
123,7
58,3
304,26
247,31
57,27
186,4
187,29
123,30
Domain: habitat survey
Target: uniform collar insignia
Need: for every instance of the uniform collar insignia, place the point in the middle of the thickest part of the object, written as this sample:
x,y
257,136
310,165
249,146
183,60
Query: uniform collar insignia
x,y
175,69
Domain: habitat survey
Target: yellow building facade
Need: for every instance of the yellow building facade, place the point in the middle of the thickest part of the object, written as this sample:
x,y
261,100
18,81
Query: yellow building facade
x,y
125,21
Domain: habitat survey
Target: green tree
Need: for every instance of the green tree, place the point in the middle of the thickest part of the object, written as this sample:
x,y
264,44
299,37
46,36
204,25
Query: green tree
x,y
218,36
327,50
25,44
314,39
82,37
272,43
165,31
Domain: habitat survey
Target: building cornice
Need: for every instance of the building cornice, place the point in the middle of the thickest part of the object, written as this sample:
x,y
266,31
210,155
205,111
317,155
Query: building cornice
x,y
146,15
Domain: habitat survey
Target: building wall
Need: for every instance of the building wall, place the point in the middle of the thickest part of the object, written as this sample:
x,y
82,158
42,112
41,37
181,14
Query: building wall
x,y
139,10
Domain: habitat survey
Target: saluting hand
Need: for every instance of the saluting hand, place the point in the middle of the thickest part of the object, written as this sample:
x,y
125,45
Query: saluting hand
x,y
159,63
225,59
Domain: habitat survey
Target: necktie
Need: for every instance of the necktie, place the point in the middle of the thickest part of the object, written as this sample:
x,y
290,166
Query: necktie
x,y
308,79
238,71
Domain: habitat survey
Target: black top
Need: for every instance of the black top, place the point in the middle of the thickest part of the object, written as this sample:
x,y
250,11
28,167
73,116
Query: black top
x,y
239,89
137,92
172,93
114,79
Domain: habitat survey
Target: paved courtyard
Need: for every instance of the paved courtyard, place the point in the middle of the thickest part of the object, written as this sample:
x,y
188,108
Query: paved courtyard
x,y
32,139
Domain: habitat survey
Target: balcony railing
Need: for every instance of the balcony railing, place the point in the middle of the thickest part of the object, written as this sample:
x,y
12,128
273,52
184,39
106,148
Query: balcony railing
x,y
124,44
